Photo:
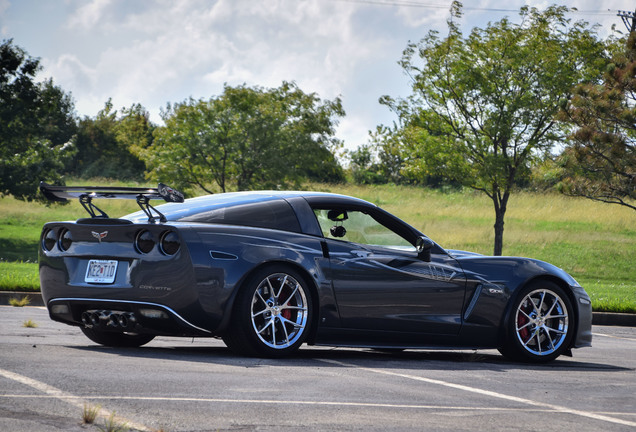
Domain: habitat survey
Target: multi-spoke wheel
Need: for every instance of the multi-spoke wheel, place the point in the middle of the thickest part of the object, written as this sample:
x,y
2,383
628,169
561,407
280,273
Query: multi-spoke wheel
x,y
272,314
541,324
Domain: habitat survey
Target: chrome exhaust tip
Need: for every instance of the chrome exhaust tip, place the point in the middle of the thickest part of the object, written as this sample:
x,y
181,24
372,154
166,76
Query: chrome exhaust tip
x,y
127,320
123,320
108,318
86,320
95,318
113,320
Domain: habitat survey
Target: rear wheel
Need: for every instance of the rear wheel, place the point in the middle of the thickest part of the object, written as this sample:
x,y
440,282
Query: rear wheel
x,y
272,314
113,339
541,324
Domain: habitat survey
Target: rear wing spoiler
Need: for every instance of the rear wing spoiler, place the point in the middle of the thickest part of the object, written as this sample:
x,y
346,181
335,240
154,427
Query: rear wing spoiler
x,y
86,194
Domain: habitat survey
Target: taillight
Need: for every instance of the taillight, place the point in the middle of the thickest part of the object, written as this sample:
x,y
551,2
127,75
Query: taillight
x,y
144,241
65,240
48,240
169,243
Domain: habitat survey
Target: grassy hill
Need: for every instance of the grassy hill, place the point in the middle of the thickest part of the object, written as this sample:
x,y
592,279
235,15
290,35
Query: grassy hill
x,y
592,241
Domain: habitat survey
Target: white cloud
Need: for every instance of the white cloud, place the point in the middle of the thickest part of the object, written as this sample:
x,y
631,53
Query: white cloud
x,y
89,15
4,6
158,51
192,48
70,71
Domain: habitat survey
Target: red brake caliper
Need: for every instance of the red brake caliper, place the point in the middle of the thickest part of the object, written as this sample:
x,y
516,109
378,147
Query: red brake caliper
x,y
286,313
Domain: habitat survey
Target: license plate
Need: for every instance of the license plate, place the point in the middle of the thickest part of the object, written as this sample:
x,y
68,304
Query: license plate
x,y
101,271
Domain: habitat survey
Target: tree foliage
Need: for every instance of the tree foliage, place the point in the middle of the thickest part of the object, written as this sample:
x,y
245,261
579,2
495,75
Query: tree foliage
x,y
600,162
483,106
108,145
365,166
36,125
246,138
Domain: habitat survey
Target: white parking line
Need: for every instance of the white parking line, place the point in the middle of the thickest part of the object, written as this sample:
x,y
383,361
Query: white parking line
x,y
56,393
79,401
547,406
299,402
614,337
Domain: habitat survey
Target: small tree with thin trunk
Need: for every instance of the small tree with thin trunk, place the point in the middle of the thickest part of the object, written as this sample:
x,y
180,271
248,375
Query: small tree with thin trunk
x,y
483,106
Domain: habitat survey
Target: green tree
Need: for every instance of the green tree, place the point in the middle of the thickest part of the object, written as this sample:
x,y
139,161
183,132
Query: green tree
x,y
108,145
600,162
36,125
247,138
483,106
364,166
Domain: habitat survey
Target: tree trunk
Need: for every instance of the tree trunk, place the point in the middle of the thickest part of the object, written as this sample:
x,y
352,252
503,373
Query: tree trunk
x,y
499,230
501,203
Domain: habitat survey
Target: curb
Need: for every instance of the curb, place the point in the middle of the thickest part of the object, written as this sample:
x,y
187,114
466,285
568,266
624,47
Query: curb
x,y
614,319
34,297
598,318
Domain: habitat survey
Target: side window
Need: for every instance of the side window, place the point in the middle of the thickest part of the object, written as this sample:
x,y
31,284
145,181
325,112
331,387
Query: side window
x,y
276,214
358,227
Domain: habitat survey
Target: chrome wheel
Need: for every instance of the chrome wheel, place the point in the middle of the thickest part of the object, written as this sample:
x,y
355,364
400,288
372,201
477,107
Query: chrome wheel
x,y
542,322
279,311
272,314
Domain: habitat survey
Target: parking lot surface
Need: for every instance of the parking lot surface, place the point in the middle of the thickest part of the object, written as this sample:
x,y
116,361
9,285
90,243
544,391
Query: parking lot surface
x,y
49,374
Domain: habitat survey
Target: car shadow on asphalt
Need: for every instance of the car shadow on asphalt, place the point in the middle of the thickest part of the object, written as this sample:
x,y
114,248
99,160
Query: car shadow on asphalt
x,y
344,357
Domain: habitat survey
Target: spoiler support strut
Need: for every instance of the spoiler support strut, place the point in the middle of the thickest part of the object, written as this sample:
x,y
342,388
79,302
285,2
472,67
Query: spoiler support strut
x,y
144,203
87,202
86,194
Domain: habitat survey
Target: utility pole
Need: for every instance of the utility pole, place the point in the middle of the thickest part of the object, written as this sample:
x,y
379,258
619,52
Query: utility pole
x,y
627,16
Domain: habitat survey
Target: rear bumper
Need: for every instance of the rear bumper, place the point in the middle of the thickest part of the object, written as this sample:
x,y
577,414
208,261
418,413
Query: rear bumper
x,y
122,316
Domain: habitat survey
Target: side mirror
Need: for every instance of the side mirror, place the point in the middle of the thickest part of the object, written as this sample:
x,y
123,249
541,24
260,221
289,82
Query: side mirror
x,y
424,246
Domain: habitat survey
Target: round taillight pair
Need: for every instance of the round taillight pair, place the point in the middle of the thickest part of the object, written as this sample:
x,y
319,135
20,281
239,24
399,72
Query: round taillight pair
x,y
144,241
63,240
169,242
48,240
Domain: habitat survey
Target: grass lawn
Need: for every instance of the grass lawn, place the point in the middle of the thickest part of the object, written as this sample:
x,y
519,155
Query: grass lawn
x,y
592,241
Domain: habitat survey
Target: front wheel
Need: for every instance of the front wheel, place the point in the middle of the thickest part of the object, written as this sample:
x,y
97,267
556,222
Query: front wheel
x,y
272,314
112,339
541,324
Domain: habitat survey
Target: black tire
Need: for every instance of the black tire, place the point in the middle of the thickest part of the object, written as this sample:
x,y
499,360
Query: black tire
x,y
272,315
541,324
112,339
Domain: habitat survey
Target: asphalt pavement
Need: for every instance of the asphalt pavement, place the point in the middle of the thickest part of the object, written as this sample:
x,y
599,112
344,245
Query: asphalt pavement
x,y
50,373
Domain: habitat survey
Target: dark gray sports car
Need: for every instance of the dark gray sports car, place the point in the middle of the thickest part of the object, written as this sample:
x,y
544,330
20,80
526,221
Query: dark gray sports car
x,y
269,271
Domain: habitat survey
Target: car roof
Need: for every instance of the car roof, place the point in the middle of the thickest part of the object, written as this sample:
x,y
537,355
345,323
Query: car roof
x,y
192,206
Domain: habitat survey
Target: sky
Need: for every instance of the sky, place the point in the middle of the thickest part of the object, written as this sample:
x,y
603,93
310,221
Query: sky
x,y
156,52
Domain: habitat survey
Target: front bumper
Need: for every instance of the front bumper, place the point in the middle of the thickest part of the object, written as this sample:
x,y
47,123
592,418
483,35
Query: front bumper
x,y
583,337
